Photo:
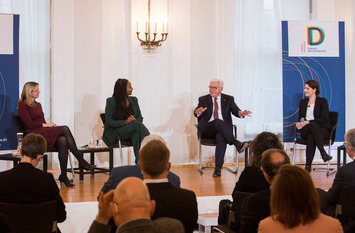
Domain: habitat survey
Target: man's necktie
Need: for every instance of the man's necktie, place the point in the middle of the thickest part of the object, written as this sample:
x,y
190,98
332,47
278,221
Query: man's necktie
x,y
215,112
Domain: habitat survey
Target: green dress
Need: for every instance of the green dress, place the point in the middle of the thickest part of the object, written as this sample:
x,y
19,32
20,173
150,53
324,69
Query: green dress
x,y
134,131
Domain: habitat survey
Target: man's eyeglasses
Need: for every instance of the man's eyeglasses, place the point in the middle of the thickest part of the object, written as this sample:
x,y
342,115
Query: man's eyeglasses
x,y
213,88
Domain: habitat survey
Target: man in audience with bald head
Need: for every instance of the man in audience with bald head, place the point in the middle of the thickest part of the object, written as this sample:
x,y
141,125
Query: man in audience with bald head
x,y
258,204
131,208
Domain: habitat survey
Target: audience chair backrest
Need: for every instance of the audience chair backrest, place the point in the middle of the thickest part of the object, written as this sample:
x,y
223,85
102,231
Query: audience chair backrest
x,y
39,217
239,206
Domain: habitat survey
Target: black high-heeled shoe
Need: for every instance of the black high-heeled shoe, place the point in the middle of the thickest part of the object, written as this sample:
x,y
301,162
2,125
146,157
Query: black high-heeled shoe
x,y
65,181
88,167
326,157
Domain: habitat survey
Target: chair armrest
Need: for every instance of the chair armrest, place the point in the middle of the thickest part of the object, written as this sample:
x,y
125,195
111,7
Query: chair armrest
x,y
199,131
114,131
331,133
235,131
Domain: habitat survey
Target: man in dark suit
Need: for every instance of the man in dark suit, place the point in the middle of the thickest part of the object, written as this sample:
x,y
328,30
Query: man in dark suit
x,y
131,207
345,174
258,204
120,173
27,184
170,201
214,119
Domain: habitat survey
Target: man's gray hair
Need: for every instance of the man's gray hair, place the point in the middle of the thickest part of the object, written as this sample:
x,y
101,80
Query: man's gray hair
x,y
350,138
216,80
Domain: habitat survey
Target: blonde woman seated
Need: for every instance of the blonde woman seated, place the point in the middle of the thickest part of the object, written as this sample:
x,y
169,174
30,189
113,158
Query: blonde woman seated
x,y
295,206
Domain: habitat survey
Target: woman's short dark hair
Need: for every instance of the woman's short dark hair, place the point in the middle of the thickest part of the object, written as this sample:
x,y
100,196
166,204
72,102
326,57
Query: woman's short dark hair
x,y
33,145
261,143
314,85
294,199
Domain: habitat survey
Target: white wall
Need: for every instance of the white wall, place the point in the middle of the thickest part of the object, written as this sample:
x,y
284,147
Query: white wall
x,y
94,43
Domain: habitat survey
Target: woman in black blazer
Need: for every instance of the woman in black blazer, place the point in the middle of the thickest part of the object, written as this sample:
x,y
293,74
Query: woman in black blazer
x,y
313,122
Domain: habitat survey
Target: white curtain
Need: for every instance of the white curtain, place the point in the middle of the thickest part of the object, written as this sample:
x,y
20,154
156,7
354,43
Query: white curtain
x,y
259,61
34,44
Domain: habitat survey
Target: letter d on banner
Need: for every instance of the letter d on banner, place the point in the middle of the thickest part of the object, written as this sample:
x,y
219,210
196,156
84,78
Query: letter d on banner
x,y
312,39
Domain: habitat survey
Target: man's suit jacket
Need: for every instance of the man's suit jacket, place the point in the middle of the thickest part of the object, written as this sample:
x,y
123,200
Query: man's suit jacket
x,y
257,208
344,176
321,111
29,185
120,173
174,203
143,225
228,107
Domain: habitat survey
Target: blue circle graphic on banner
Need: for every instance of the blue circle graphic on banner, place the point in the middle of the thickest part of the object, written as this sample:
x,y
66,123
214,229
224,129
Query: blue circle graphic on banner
x,y
3,92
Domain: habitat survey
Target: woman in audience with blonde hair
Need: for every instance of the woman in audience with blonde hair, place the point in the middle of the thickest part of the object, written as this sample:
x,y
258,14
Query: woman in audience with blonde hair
x,y
294,205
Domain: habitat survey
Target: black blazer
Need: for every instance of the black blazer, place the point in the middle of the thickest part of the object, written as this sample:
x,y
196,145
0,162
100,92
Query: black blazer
x,y
29,185
228,106
251,180
257,208
172,202
321,111
344,176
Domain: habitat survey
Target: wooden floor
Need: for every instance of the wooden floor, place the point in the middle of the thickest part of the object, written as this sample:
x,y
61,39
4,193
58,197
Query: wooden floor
x,y
202,185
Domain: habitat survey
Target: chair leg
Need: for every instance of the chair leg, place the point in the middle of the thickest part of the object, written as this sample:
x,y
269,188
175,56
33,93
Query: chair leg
x,y
237,164
199,157
71,165
294,153
121,153
329,170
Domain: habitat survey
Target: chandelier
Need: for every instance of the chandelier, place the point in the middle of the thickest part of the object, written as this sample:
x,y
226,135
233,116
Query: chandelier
x,y
154,42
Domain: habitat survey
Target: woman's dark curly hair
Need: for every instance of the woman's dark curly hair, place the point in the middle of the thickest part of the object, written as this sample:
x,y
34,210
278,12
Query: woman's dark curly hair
x,y
261,143
120,95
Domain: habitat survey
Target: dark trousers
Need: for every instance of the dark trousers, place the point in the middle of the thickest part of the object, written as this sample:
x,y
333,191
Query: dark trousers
x,y
314,135
222,133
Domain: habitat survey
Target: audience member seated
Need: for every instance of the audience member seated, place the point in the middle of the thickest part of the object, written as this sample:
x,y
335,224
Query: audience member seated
x,y
252,180
258,204
122,113
131,208
120,173
345,174
28,185
180,204
32,117
295,206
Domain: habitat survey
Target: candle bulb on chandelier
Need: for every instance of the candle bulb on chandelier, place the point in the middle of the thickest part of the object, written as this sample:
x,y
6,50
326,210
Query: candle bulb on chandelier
x,y
163,27
137,26
146,26
155,28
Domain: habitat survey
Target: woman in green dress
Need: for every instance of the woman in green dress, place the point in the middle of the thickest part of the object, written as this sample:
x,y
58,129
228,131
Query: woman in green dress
x,y
123,114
